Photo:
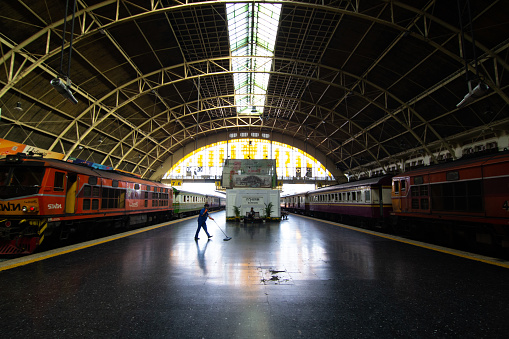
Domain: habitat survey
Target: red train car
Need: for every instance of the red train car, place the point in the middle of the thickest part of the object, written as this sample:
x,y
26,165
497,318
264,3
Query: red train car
x,y
466,197
47,197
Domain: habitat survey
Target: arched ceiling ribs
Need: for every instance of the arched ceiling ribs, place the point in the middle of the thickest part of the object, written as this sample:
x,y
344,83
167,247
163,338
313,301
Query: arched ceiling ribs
x,y
351,53
190,69
214,125
157,7
227,104
489,54
20,73
156,142
118,12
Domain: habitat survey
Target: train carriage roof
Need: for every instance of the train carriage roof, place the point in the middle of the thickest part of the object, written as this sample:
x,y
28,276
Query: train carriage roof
x,y
85,170
463,162
383,180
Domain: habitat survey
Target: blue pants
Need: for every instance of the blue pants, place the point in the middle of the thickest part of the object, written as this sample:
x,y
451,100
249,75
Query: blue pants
x,y
204,226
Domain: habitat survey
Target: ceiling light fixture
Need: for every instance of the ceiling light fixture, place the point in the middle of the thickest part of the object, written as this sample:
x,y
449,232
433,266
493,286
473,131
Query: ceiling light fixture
x,y
473,93
64,87
18,107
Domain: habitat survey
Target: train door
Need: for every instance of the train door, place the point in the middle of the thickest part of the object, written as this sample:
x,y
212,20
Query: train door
x,y
70,196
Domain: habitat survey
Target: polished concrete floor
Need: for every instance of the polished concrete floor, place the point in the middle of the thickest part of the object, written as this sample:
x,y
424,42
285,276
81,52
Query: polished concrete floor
x,y
298,278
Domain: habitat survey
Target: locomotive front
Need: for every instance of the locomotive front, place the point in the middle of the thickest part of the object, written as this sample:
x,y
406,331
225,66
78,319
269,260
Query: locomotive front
x,y
21,225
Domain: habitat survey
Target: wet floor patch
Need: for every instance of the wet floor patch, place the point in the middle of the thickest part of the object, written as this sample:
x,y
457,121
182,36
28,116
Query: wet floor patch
x,y
272,276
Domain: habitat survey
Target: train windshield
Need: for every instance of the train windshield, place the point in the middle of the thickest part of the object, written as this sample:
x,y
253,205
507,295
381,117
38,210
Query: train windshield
x,y
20,181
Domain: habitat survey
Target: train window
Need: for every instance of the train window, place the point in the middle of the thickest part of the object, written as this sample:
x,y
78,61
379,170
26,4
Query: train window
x,y
104,196
92,180
367,196
155,189
146,203
403,185
136,186
424,190
419,180
424,204
146,196
96,191
87,192
396,186
348,196
58,184
415,204
86,204
359,197
414,190
95,204
451,176
458,196
112,198
114,183
354,196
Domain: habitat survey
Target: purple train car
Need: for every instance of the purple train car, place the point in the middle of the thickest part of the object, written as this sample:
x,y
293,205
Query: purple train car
x,y
366,200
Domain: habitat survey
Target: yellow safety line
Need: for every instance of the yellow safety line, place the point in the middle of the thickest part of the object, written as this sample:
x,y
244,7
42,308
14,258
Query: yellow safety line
x,y
53,253
72,248
458,253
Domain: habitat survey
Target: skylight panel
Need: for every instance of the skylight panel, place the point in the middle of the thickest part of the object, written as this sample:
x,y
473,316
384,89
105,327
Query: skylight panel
x,y
251,30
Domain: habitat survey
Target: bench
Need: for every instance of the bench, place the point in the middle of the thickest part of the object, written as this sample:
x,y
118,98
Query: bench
x,y
256,217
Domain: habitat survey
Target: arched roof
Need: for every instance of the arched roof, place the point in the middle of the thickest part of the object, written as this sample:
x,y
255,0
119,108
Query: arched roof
x,y
363,82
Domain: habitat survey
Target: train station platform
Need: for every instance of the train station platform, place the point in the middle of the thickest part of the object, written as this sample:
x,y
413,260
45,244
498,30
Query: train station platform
x,y
296,278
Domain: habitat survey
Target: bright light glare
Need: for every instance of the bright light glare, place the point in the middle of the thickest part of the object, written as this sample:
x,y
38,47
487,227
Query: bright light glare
x,y
252,28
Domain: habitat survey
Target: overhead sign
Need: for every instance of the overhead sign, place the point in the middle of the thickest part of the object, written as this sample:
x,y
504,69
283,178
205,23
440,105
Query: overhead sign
x,y
251,173
176,183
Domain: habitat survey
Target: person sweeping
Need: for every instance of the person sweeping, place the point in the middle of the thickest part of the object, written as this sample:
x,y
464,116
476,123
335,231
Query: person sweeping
x,y
202,218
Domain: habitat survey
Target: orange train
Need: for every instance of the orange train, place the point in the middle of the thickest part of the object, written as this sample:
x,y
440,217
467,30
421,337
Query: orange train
x,y
41,198
468,198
